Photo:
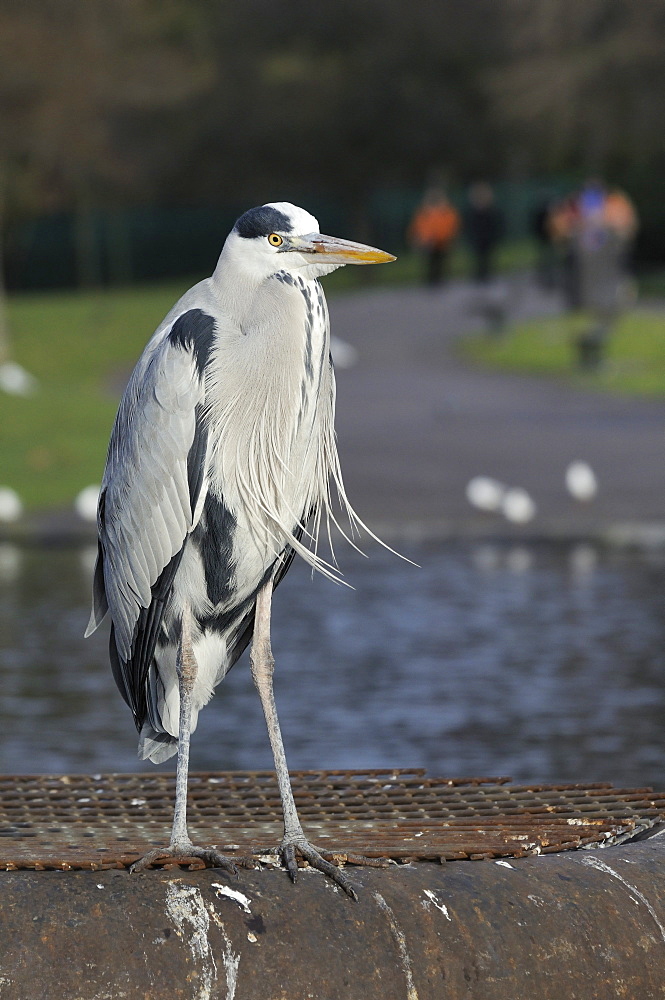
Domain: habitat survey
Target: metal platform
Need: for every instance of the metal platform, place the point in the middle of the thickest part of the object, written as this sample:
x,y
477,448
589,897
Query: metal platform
x,y
94,822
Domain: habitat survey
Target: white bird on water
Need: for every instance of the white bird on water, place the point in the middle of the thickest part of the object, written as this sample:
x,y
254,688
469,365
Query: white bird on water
x,y
86,503
581,481
11,507
218,472
485,493
518,506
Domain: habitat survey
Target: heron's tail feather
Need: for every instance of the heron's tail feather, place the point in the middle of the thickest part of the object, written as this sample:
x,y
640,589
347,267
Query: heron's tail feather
x,y
155,746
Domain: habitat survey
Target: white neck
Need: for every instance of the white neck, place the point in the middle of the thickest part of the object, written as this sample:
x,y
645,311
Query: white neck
x,y
235,286
238,278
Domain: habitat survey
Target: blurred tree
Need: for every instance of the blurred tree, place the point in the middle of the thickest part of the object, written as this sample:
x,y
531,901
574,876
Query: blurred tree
x,y
581,85
343,96
70,73
120,102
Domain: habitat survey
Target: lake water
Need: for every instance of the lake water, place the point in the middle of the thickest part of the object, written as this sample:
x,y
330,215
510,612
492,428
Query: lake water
x,y
544,663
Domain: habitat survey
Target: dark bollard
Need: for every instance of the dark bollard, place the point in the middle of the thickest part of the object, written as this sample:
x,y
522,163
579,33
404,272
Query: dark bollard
x,y
580,925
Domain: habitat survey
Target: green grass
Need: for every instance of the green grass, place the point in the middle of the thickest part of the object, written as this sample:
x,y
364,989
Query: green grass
x,y
79,346
652,283
634,363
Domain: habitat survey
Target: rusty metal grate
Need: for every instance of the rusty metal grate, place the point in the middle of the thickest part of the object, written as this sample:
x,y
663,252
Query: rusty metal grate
x,y
107,821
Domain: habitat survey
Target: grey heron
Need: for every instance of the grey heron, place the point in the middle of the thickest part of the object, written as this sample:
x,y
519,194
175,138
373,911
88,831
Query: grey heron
x,y
219,471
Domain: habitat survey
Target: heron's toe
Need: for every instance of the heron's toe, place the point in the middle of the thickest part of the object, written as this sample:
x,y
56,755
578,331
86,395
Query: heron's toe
x,y
182,853
288,852
214,859
316,860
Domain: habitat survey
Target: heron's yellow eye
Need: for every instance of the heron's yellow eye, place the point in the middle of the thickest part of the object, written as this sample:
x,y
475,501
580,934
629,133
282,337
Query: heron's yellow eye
x,y
275,240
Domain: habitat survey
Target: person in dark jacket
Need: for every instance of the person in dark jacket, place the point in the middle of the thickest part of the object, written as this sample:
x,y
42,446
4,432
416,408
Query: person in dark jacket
x,y
484,228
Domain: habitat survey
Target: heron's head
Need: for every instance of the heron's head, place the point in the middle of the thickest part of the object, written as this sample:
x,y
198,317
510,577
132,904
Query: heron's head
x,y
283,237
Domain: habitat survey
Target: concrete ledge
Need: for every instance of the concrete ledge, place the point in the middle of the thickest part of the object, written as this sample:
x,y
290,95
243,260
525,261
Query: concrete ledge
x,y
584,924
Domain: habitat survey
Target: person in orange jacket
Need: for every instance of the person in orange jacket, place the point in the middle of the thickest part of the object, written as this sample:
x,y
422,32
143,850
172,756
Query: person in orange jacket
x,y
432,231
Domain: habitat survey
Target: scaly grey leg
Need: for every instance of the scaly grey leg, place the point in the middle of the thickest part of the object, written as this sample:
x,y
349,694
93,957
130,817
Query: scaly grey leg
x,y
181,845
263,665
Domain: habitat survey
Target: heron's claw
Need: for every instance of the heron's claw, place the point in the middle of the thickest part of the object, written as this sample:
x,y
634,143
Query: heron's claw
x,y
183,852
288,852
316,860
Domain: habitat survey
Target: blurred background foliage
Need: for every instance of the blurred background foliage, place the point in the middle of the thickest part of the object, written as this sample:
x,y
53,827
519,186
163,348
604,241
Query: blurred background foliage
x,y
135,131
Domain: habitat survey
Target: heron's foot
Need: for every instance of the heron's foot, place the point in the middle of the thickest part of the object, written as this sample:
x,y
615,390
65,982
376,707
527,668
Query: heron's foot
x,y
324,861
182,852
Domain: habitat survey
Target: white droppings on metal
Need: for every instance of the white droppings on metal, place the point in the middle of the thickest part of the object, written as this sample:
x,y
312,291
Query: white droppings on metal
x,y
400,940
594,862
238,897
504,864
252,938
433,901
186,908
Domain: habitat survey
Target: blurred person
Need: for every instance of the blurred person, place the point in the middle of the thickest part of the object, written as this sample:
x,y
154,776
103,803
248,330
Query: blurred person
x,y
484,228
591,204
603,210
563,219
605,216
432,232
621,218
620,214
546,252
601,243
562,224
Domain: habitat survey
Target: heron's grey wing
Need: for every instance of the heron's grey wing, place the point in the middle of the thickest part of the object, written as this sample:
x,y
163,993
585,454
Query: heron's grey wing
x,y
151,494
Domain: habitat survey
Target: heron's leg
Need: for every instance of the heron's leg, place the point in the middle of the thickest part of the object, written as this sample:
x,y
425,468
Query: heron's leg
x,y
263,665
187,668
181,845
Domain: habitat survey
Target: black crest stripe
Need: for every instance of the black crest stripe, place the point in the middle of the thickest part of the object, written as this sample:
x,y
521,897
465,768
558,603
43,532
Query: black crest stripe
x,y
262,221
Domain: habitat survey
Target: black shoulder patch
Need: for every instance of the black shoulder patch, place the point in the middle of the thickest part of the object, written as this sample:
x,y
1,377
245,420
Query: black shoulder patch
x,y
262,221
194,331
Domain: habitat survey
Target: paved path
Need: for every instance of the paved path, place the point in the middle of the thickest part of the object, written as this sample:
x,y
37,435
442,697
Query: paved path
x,y
415,423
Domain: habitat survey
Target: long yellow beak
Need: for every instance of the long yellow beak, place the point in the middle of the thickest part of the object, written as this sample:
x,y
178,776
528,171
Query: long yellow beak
x,y
338,251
